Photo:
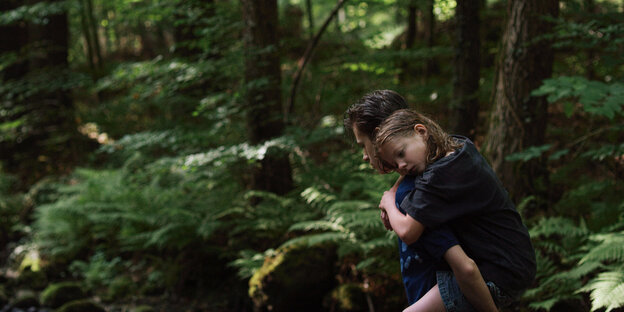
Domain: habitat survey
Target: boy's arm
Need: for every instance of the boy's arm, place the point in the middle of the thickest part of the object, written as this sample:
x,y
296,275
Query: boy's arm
x,y
469,279
406,227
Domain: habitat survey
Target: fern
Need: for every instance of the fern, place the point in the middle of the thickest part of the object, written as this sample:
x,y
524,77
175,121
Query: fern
x,y
606,290
610,248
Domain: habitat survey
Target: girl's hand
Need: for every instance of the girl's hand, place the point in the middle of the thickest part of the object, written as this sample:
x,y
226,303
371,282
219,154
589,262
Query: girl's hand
x,y
385,220
388,200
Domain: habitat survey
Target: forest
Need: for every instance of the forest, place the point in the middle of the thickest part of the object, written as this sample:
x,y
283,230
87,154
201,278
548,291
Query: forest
x,y
189,155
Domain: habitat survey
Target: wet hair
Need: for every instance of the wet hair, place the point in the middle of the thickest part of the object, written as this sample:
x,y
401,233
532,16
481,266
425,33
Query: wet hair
x,y
401,124
368,112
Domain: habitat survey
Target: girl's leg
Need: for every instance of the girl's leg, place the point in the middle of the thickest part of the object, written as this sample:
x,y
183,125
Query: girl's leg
x,y
430,302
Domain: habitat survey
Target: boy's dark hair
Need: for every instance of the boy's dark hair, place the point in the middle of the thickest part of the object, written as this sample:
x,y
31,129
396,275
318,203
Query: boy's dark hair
x,y
369,111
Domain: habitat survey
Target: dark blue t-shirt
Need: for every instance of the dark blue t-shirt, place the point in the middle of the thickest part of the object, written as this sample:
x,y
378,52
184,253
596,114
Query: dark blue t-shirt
x,y
421,260
462,191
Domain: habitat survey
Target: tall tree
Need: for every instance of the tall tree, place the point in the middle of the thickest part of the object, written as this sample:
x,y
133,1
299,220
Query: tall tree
x,y
410,39
465,104
263,98
47,136
518,120
13,37
188,16
431,66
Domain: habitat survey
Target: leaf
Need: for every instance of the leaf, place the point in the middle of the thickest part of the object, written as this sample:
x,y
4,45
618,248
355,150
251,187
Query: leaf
x,y
529,153
607,290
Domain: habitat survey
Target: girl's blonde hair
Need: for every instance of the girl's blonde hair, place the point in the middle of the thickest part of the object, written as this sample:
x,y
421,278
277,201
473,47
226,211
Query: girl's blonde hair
x,y
401,124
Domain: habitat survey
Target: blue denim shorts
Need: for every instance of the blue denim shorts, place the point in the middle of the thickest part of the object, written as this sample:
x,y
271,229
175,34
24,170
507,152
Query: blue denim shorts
x,y
454,300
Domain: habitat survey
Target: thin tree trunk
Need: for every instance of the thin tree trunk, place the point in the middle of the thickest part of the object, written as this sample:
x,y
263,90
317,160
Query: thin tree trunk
x,y
87,36
465,104
431,66
263,100
303,61
518,120
590,8
93,26
410,39
310,19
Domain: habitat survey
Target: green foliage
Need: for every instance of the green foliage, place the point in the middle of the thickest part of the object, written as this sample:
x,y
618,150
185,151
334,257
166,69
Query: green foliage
x,y
597,98
35,13
11,206
98,271
607,290
59,294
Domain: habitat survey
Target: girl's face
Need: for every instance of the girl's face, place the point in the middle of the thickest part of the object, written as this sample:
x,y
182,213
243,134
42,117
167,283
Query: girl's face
x,y
407,154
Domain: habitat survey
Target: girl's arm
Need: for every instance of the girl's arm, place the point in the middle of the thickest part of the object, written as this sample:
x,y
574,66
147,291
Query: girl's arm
x,y
469,279
406,227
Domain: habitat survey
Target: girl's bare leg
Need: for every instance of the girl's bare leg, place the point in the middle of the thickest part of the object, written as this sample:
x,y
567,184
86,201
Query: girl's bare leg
x,y
430,302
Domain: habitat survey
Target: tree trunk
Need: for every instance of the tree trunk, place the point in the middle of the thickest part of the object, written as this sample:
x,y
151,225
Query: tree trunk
x,y
410,39
518,120
431,66
184,33
310,19
93,27
13,38
465,104
263,95
89,44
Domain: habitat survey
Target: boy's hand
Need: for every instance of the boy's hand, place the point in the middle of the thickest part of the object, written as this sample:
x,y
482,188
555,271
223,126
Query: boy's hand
x,y
385,220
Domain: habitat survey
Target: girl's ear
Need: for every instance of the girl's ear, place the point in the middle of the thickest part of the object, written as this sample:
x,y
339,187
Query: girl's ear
x,y
420,129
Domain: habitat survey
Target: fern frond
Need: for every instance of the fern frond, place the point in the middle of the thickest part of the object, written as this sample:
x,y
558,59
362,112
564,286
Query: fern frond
x,y
342,207
546,304
610,248
317,239
607,290
317,225
557,226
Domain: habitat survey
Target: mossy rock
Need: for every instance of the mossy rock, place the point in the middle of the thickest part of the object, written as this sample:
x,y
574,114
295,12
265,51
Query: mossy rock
x,y
58,294
348,298
32,279
143,308
296,278
121,287
83,305
25,299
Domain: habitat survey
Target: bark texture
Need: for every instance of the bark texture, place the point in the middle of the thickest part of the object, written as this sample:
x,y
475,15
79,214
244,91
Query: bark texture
x,y
263,98
518,120
465,110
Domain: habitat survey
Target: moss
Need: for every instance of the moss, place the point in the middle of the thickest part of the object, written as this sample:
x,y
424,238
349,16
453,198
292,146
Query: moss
x,y
80,306
58,294
295,278
32,279
143,308
348,297
25,300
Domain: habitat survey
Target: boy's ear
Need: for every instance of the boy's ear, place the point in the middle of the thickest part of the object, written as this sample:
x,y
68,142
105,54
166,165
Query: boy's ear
x,y
420,129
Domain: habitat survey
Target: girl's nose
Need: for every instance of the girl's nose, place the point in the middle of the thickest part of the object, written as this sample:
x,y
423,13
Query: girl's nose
x,y
401,165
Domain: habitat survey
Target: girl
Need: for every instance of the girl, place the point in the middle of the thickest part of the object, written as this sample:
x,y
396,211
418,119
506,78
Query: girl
x,y
422,259
456,187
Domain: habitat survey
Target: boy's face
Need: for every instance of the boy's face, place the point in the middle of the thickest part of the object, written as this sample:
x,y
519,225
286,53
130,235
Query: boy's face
x,y
406,154
368,149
